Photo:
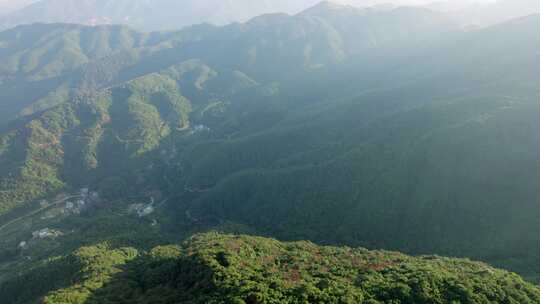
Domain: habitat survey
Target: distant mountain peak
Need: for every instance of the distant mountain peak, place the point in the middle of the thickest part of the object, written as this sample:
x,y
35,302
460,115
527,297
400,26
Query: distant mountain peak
x,y
272,18
328,5
325,7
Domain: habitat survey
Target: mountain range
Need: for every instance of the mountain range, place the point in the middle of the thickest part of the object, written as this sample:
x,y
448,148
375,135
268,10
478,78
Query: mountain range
x,y
172,15
148,15
380,128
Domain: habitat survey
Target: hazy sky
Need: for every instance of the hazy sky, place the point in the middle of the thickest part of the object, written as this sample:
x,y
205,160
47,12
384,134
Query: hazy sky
x,y
410,2
11,5
402,2
14,4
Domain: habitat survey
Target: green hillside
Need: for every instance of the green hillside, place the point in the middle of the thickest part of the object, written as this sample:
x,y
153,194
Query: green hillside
x,y
421,163
213,268
42,64
90,88
94,136
296,127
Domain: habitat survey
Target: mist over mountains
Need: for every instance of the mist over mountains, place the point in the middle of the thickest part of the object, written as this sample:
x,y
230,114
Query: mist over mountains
x,y
132,160
500,11
8,6
149,15
170,14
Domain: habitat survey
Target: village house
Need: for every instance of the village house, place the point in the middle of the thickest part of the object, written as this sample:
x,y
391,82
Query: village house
x,y
46,233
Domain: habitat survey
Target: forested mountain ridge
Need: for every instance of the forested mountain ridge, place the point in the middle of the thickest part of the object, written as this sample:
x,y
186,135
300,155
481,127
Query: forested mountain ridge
x,y
96,58
363,150
42,64
329,125
72,57
213,268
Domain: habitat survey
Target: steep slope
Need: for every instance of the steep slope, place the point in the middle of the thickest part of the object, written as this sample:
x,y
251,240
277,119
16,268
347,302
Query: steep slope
x,y
43,64
213,268
302,127
434,162
64,73
40,64
92,136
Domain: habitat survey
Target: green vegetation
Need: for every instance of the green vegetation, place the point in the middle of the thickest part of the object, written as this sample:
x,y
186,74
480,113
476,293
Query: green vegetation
x,y
35,174
214,268
296,127
41,65
86,139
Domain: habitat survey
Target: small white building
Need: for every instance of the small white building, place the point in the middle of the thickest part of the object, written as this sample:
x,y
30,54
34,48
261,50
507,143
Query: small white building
x,y
85,191
94,195
46,233
146,211
200,128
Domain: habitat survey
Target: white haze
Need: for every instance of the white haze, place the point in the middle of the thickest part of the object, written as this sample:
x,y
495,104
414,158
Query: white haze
x,y
7,6
160,16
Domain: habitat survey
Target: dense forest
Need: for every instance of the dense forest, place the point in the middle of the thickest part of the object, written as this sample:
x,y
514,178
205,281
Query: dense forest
x,y
214,268
330,125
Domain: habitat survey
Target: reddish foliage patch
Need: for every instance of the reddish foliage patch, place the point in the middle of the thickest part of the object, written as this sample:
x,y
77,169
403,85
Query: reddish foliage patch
x,y
269,259
357,261
379,266
234,245
293,276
